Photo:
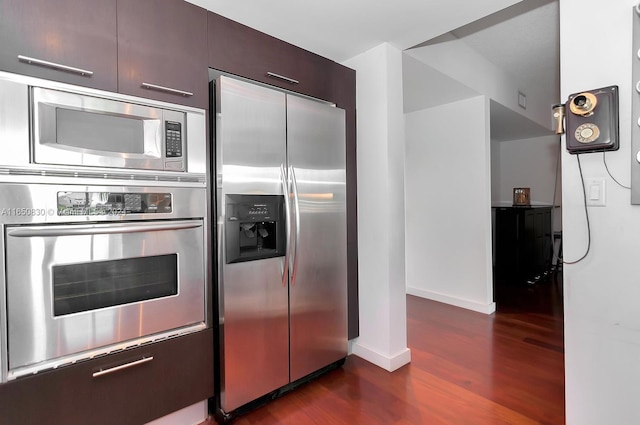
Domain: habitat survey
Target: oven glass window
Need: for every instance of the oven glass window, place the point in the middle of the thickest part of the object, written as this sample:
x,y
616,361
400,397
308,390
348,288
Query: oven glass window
x,y
98,284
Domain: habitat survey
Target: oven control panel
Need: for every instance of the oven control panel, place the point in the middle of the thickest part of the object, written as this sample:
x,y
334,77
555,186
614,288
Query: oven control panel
x,y
113,203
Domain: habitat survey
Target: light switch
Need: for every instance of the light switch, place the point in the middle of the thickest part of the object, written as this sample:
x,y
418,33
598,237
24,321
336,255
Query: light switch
x,y
595,192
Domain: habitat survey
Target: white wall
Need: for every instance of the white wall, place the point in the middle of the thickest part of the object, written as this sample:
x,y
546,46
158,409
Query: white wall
x,y
457,60
527,163
601,293
381,225
448,204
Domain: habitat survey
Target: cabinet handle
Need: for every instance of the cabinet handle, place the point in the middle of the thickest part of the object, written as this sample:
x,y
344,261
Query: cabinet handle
x,y
282,77
166,89
54,65
102,372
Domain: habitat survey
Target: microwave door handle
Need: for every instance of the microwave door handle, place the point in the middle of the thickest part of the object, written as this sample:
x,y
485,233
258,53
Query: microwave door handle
x,y
99,229
287,212
296,200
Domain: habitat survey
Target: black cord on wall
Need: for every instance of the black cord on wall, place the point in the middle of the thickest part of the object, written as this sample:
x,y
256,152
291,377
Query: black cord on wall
x,y
604,161
586,214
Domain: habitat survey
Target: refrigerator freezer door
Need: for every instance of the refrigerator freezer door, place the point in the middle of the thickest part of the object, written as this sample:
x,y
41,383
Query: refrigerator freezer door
x,y
253,302
318,287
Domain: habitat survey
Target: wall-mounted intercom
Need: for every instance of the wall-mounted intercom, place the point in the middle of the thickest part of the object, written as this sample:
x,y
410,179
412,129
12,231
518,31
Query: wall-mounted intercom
x,y
592,120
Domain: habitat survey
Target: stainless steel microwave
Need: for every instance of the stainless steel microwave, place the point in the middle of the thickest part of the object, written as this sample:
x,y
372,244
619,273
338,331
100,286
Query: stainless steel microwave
x,y
76,129
53,126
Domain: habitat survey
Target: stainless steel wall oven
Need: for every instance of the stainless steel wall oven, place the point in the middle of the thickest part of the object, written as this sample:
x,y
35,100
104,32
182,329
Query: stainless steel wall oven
x,y
104,247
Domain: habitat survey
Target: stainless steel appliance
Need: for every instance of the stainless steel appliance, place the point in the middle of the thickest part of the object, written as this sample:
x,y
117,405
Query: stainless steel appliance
x,y
281,189
103,247
78,286
56,126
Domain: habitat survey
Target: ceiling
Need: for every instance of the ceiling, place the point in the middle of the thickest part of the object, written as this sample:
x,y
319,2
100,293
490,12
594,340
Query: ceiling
x,y
340,30
524,41
519,36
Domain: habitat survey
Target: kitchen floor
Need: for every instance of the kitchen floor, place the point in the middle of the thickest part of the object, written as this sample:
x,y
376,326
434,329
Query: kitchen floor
x,y
467,368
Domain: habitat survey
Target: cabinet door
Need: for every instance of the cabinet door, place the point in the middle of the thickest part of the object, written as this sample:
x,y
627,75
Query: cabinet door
x,y
509,253
162,51
243,51
64,38
168,376
538,228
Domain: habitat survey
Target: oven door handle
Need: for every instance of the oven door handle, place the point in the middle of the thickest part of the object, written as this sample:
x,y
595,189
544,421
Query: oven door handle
x,y
100,229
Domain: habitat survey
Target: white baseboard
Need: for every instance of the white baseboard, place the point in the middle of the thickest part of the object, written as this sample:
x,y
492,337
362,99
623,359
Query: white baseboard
x,y
458,302
389,363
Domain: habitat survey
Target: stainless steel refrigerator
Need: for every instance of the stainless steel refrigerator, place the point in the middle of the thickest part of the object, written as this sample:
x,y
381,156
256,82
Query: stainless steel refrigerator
x,y
282,245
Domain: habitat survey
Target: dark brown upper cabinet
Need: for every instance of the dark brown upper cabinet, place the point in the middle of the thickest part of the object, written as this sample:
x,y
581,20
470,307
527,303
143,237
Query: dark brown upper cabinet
x,y
73,41
240,50
162,47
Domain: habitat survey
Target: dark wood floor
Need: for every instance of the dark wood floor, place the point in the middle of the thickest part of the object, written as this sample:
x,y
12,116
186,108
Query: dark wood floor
x,y
467,368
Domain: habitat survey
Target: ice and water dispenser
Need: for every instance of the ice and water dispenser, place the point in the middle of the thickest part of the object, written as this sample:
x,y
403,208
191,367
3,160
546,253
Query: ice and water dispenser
x,y
255,227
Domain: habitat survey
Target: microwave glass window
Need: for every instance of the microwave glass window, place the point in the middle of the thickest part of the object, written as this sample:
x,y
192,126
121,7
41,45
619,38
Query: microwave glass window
x,y
101,132
93,285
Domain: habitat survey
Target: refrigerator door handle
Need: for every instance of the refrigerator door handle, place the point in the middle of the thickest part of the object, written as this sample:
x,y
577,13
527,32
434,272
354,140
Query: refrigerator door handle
x,y
287,212
296,200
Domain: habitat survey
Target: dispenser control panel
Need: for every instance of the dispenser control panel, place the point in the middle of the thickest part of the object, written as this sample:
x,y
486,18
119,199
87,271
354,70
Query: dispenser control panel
x,y
253,211
255,227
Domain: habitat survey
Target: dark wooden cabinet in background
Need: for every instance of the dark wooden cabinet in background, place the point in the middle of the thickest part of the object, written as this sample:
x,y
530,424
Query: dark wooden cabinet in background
x,y
180,374
523,243
163,43
73,33
243,51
